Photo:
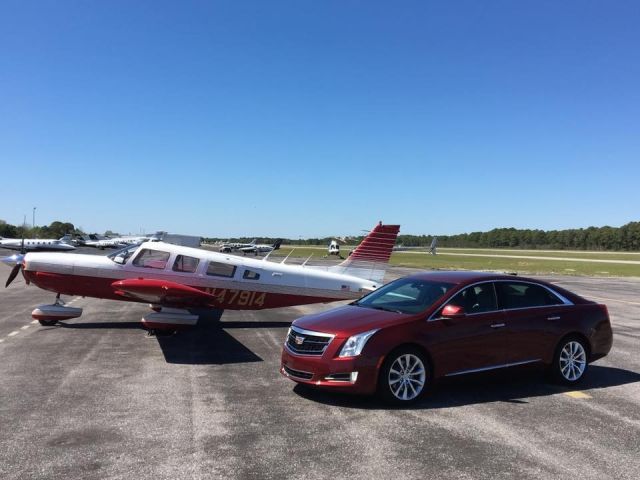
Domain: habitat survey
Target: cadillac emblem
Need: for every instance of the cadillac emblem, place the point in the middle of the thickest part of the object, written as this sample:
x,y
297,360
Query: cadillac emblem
x,y
299,340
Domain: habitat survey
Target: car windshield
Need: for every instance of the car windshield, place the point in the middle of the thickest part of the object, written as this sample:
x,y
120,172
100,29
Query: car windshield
x,y
124,253
407,295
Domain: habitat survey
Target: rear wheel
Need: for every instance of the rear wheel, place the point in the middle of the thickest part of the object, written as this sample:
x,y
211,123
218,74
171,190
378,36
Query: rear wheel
x,y
404,376
570,361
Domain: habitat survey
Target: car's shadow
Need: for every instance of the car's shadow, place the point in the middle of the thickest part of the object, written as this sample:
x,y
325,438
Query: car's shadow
x,y
206,344
514,386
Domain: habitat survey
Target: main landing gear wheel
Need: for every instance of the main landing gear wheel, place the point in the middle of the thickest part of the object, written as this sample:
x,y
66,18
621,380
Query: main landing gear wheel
x,y
570,361
48,323
404,377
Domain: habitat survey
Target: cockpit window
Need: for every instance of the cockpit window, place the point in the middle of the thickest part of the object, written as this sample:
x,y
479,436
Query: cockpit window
x,y
123,254
151,259
185,264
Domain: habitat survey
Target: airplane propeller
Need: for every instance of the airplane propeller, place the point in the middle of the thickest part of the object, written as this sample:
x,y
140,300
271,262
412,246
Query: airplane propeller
x,y
16,261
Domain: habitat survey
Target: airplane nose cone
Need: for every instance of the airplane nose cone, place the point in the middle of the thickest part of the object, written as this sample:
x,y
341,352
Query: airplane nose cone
x,y
13,260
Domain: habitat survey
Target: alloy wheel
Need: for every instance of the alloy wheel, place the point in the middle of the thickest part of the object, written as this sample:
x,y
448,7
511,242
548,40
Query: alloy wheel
x,y
407,376
572,361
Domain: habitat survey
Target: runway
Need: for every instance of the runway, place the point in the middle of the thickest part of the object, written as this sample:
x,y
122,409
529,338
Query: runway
x,y
97,398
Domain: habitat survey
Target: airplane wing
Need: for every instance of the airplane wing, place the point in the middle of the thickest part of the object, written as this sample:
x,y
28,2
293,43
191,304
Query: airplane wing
x,y
164,293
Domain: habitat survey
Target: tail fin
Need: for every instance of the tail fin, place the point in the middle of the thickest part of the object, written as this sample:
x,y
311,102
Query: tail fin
x,y
276,244
370,259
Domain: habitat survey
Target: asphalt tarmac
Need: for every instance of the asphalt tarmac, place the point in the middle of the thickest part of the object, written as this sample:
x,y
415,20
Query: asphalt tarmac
x,y
96,398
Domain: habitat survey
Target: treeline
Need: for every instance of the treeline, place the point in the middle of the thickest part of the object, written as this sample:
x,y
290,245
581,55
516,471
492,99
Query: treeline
x,y
625,238
55,230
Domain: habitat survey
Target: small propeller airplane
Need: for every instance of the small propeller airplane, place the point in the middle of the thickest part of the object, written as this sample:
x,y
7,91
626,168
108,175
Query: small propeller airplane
x,y
174,279
261,248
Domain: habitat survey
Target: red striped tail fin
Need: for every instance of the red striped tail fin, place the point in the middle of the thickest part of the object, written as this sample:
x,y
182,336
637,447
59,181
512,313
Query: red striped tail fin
x,y
370,259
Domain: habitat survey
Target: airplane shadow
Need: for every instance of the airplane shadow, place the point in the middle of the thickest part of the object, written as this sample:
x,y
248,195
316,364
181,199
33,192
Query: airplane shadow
x,y
511,387
206,344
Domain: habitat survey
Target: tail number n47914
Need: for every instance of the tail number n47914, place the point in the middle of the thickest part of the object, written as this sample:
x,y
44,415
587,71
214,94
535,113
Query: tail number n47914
x,y
240,298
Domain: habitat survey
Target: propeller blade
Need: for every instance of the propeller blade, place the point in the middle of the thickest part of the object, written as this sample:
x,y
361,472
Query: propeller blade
x,y
13,274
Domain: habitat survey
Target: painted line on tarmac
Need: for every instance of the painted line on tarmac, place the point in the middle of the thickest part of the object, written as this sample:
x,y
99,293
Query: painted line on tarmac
x,y
577,394
14,333
25,327
614,300
34,322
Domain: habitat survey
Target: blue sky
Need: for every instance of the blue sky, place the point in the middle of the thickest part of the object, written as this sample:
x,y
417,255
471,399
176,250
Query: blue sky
x,y
312,118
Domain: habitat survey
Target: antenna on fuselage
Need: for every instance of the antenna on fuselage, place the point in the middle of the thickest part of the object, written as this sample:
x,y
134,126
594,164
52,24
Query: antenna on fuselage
x,y
285,258
305,262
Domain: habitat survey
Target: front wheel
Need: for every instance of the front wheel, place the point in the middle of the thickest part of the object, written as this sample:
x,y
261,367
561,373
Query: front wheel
x,y
404,376
570,361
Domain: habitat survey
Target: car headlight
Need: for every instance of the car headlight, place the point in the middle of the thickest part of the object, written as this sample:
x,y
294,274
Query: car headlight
x,y
356,343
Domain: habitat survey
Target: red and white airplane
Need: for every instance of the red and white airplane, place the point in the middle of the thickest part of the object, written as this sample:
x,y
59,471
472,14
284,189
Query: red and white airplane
x,y
173,279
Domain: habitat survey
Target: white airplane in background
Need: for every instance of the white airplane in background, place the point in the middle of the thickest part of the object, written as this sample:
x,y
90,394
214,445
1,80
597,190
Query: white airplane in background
x,y
117,242
261,248
173,279
232,247
37,244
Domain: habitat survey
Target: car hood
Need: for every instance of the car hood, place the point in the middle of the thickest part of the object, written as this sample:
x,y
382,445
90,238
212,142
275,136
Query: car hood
x,y
350,320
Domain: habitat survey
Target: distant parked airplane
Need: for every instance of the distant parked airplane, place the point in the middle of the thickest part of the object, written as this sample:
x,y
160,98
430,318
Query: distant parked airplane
x,y
434,244
261,248
232,247
37,244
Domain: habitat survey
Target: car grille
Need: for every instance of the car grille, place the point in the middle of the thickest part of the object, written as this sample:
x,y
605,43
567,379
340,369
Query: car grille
x,y
305,343
297,373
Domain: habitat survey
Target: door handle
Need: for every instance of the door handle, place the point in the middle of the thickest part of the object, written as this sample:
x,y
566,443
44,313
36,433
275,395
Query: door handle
x,y
497,325
553,319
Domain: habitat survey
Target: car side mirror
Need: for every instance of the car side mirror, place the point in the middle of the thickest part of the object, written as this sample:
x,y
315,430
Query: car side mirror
x,y
119,259
453,311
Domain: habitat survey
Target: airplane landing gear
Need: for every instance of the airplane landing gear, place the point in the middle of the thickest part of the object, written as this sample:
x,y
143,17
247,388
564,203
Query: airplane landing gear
x,y
49,315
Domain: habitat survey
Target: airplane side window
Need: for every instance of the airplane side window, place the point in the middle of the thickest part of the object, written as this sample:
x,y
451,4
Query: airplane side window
x,y
218,269
185,264
151,259
251,275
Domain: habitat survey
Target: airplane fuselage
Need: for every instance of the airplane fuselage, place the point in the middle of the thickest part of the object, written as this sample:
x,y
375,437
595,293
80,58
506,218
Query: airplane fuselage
x,y
229,282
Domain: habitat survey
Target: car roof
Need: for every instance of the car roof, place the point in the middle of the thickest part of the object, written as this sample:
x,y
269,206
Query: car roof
x,y
464,276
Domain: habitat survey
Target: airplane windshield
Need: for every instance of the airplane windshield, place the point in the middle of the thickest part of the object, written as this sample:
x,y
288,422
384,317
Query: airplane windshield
x,y
123,253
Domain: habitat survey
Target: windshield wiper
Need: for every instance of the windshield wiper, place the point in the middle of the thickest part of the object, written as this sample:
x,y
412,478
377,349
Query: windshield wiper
x,y
385,309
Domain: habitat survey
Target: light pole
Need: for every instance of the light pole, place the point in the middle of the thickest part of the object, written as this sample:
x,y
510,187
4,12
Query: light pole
x,y
33,221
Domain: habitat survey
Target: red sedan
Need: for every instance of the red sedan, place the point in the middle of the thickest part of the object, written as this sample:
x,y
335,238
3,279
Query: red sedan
x,y
397,340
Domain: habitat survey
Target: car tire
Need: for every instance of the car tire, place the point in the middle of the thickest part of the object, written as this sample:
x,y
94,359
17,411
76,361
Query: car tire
x,y
405,376
571,361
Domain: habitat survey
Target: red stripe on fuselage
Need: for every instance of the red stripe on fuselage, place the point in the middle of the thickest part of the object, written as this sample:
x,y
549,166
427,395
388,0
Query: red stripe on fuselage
x,y
228,299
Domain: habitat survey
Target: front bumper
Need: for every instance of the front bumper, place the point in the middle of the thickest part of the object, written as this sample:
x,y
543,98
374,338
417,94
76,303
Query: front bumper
x,y
351,374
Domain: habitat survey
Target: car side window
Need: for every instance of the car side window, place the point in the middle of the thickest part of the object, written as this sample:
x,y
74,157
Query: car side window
x,y
476,299
148,258
185,264
525,295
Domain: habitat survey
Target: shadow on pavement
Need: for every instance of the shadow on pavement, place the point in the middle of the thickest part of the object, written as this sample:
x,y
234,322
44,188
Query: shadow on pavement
x,y
512,387
206,344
